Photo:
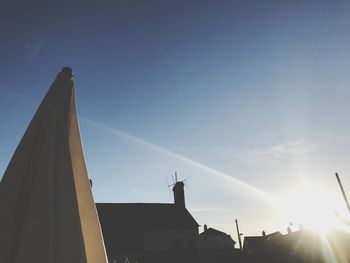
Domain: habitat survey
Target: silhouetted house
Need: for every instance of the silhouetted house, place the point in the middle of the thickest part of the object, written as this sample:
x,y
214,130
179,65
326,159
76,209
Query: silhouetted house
x,y
305,246
148,230
216,246
308,246
213,239
256,244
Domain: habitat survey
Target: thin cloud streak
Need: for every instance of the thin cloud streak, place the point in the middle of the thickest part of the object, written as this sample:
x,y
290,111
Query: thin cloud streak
x,y
277,151
37,49
268,197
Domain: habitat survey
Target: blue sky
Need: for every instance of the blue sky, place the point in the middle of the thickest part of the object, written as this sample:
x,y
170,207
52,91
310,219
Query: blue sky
x,y
257,91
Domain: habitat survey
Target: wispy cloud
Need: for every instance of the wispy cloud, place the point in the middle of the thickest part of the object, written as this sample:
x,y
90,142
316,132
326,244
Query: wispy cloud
x,y
277,151
263,195
34,48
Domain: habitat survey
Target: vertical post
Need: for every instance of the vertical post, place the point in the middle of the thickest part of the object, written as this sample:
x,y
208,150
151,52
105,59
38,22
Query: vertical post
x,y
239,235
343,192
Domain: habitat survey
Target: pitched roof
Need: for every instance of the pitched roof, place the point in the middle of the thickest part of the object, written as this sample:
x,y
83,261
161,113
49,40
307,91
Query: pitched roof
x,y
123,224
212,231
145,215
257,242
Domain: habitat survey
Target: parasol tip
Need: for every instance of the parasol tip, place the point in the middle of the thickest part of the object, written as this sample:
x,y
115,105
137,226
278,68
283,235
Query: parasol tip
x,y
67,72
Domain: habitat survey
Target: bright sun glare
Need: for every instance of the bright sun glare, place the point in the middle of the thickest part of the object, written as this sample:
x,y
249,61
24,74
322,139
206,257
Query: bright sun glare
x,y
312,209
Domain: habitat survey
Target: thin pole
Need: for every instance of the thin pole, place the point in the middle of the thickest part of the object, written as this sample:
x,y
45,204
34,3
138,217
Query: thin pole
x,y
343,192
239,235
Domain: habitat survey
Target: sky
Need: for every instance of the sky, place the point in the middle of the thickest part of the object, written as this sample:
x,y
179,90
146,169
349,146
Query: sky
x,y
246,100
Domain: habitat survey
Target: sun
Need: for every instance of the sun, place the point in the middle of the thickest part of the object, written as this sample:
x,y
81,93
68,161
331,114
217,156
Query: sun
x,y
310,208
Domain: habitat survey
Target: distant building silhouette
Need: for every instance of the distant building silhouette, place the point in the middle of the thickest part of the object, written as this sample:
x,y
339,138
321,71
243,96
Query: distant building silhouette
x,y
213,239
142,231
256,244
216,246
304,246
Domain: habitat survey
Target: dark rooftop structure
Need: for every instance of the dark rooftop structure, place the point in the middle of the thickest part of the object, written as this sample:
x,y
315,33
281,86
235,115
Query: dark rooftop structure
x,y
135,230
212,238
253,244
119,221
216,246
214,232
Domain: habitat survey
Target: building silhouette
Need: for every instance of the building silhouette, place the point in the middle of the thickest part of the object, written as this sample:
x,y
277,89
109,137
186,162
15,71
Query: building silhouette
x,y
150,232
216,246
258,244
303,246
213,239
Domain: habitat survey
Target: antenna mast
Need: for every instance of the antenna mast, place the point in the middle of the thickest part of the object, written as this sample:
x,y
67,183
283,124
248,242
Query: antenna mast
x,y
239,235
343,192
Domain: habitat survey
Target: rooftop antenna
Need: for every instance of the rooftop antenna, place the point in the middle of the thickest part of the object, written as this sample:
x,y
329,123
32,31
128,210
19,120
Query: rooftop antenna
x,y
167,183
175,179
343,192
185,180
239,235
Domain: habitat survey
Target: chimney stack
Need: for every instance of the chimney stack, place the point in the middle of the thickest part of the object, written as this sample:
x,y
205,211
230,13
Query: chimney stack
x,y
179,195
263,233
205,227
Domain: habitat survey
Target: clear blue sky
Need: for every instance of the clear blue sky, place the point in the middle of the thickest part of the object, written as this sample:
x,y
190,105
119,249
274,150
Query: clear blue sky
x,y
252,90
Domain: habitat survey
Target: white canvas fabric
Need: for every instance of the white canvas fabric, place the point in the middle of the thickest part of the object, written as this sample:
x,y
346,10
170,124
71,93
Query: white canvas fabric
x,y
47,211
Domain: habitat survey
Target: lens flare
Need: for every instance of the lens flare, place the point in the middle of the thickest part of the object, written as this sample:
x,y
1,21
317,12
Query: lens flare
x,y
312,209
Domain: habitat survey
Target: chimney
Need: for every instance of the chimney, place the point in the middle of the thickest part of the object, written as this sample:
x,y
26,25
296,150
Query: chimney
x,y
263,233
205,227
179,195
289,230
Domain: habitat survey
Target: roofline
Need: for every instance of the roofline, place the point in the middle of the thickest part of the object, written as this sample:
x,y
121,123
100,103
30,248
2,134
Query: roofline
x,y
163,204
